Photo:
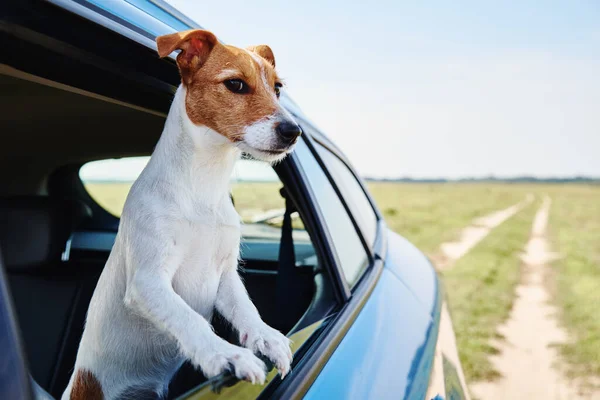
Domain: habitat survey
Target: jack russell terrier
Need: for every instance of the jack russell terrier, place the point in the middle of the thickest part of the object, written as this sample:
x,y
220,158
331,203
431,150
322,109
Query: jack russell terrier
x,y
175,258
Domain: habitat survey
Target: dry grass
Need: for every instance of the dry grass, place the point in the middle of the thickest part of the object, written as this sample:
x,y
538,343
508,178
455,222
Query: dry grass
x,y
480,290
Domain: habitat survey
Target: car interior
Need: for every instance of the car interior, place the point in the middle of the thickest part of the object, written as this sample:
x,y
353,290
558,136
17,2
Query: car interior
x,y
56,238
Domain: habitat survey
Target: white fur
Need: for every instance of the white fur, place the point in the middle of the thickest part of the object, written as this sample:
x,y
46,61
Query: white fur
x,y
260,140
227,74
263,73
174,261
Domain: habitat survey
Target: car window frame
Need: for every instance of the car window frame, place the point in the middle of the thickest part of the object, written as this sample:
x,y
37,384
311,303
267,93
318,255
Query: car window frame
x,y
369,249
329,145
335,152
345,175
380,244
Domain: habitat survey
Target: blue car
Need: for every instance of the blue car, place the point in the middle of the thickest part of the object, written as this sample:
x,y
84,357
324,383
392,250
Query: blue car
x,y
84,99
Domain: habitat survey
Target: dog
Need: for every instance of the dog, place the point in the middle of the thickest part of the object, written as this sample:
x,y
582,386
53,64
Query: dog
x,y
175,258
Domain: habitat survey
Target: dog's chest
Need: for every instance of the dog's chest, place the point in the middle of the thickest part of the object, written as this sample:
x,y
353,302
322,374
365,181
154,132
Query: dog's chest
x,y
208,246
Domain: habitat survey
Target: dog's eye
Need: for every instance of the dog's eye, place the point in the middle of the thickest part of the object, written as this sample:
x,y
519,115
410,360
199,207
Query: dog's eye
x,y
278,89
236,86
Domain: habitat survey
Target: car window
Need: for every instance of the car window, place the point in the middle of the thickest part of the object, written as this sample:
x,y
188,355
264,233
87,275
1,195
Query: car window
x,y
348,246
353,193
255,190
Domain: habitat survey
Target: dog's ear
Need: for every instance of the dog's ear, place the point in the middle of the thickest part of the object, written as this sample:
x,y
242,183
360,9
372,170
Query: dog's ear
x,y
195,46
265,52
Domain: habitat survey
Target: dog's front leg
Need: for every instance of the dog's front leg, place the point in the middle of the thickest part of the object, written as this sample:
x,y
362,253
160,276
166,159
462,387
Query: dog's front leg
x,y
235,305
150,294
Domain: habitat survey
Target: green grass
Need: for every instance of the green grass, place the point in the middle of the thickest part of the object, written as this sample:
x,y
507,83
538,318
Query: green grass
x,y
430,214
480,289
575,232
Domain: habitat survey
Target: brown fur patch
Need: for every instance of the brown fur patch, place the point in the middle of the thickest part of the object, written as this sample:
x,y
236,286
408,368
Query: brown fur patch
x,y
195,46
86,386
209,102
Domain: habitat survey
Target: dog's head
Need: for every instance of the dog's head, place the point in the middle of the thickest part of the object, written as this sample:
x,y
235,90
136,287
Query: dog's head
x,y
233,91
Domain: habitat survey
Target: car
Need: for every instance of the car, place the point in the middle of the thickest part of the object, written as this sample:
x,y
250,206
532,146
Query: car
x,y
84,99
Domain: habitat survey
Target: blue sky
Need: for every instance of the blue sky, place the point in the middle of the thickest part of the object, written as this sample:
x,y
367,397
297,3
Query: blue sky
x,y
428,89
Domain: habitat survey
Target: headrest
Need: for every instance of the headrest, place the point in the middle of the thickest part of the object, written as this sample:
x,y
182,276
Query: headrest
x,y
34,230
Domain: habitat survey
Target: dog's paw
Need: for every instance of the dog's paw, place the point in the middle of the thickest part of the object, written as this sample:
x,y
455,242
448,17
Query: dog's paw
x,y
270,342
237,360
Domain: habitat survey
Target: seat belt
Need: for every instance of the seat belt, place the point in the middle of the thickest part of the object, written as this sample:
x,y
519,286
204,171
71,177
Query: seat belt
x,y
285,293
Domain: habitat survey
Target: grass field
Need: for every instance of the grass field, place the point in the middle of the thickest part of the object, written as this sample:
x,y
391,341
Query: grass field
x,y
430,214
575,230
480,289
481,285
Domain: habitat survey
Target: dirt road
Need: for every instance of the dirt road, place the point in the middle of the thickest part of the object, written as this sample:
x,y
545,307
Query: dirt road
x,y
450,252
527,359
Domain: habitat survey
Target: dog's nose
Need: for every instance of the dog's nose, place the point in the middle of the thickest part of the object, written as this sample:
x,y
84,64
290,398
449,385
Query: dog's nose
x,y
288,131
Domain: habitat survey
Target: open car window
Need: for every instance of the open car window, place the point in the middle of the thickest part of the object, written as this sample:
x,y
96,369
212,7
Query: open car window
x,y
257,193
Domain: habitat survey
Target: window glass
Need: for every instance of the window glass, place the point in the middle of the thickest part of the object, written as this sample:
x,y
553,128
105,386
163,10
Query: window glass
x,y
353,193
348,246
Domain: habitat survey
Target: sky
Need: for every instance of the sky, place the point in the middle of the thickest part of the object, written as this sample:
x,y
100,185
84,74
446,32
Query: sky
x,y
435,89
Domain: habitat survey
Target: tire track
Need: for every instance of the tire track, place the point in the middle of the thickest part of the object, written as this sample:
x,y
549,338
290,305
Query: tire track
x,y
527,358
450,252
